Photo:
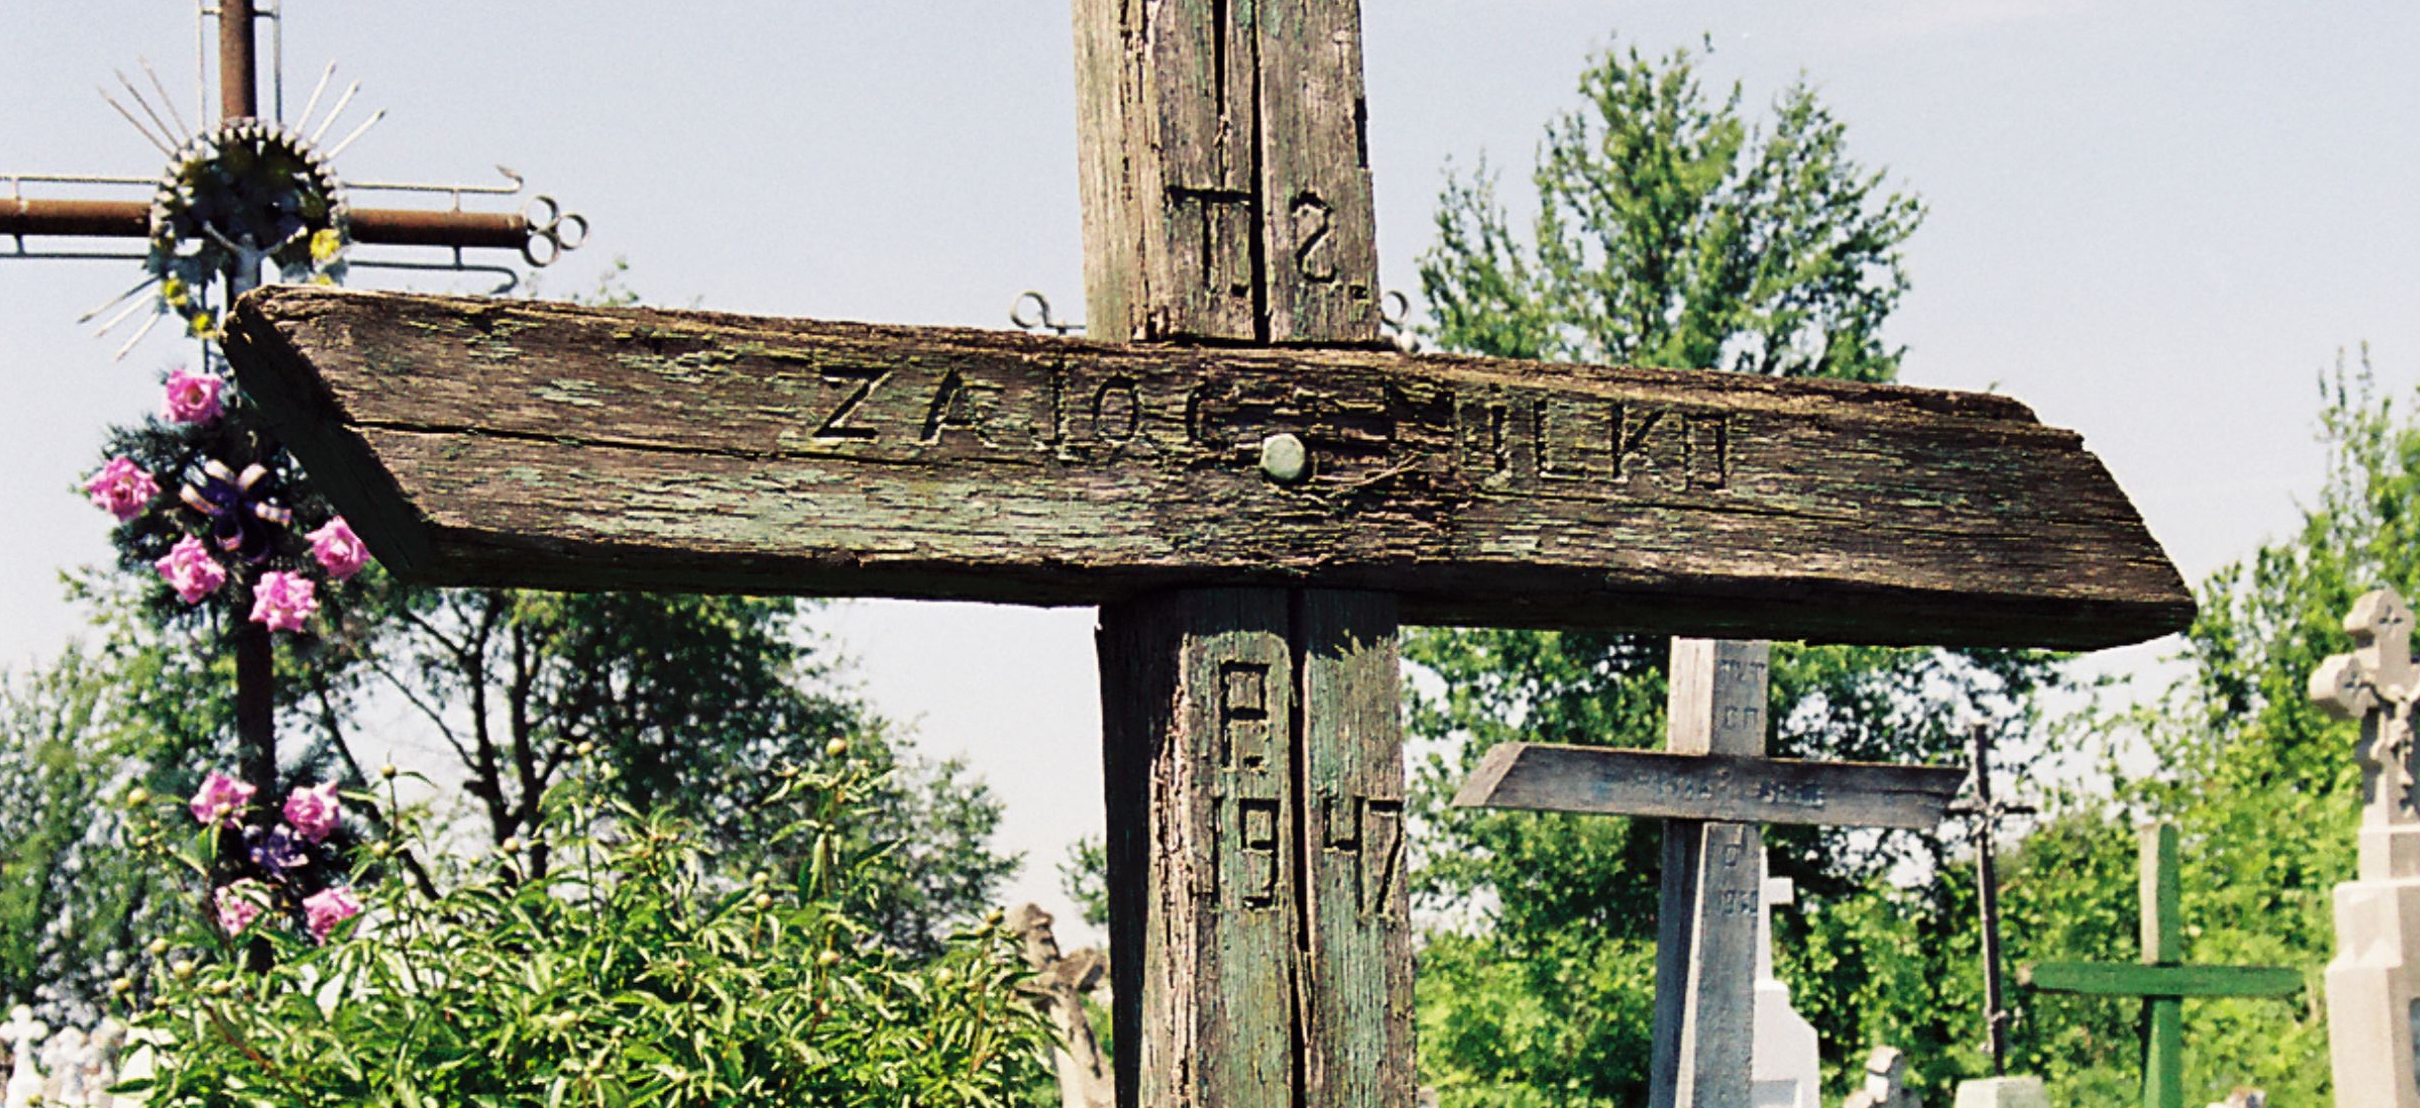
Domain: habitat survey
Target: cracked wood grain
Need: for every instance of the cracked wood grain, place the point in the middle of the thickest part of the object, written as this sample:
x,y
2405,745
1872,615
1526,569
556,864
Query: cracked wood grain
x,y
571,447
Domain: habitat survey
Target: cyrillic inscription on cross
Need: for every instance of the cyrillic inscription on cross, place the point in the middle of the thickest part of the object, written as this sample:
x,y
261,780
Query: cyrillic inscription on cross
x,y
2373,984
1713,786
1254,504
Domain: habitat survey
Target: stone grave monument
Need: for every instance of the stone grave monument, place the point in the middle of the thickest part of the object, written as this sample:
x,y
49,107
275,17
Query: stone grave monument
x,y
2373,1004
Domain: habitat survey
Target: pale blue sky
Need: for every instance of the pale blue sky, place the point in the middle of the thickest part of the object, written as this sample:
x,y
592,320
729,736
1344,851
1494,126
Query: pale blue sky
x,y
2154,221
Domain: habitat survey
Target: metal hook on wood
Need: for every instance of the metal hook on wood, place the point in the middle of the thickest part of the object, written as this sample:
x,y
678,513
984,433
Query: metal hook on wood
x,y
1041,319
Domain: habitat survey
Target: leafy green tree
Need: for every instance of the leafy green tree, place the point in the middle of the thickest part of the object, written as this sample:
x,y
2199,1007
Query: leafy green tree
x,y
69,902
2263,786
1670,232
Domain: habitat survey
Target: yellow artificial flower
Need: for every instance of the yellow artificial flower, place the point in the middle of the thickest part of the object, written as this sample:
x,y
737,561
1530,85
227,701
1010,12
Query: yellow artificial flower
x,y
204,326
325,245
172,292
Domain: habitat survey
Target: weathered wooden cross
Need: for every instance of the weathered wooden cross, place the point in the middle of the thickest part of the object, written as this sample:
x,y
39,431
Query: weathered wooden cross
x,y
2163,979
1252,487
1986,814
1714,786
2373,983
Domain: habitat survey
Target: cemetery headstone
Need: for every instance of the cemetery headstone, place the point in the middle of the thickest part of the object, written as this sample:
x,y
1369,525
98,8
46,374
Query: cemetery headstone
x,y
23,1034
1885,1083
2373,990
63,1060
2003,1092
1256,489
1786,1057
2163,979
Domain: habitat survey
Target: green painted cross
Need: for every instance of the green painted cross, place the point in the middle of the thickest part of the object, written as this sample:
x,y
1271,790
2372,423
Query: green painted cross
x,y
2163,979
1253,487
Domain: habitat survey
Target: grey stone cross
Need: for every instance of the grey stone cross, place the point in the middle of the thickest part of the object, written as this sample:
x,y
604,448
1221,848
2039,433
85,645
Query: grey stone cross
x,y
2374,981
2375,684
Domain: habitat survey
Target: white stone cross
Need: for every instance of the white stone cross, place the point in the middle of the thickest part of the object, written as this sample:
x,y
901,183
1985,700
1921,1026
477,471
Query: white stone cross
x,y
2373,986
22,1032
2375,684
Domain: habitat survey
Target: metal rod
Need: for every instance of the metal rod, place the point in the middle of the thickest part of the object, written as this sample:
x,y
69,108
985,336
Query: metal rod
x,y
277,57
370,226
80,218
1995,1012
167,103
144,103
117,300
164,149
364,129
407,227
336,111
238,90
311,105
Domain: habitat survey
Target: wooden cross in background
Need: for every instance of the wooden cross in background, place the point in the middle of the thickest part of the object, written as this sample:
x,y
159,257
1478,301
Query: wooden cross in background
x,y
2163,979
1986,814
1713,786
239,100
1253,488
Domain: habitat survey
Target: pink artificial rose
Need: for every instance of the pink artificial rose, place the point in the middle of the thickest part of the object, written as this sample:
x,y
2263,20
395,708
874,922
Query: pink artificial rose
x,y
189,570
239,904
221,796
122,488
191,397
283,600
339,551
324,910
313,812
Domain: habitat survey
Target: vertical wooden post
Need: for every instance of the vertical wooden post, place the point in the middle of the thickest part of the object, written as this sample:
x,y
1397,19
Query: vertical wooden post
x,y
2163,945
1261,947
1705,1004
1224,167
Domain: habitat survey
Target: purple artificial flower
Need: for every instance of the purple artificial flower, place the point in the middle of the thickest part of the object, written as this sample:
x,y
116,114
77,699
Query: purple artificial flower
x,y
221,796
284,600
191,397
313,812
278,850
324,910
339,550
122,488
189,570
239,903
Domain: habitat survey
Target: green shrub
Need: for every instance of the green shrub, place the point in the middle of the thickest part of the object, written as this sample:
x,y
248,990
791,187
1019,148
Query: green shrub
x,y
627,975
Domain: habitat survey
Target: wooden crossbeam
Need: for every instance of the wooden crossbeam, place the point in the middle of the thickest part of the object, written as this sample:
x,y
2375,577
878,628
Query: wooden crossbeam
x,y
2120,979
1648,784
2162,979
564,446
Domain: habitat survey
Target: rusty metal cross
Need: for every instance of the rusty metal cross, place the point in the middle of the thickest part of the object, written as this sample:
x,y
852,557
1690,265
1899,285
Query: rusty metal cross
x,y
22,217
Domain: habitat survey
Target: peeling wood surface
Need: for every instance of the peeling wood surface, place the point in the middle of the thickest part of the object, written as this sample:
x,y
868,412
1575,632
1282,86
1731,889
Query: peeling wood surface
x,y
1653,785
562,446
1707,908
1254,780
1224,167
